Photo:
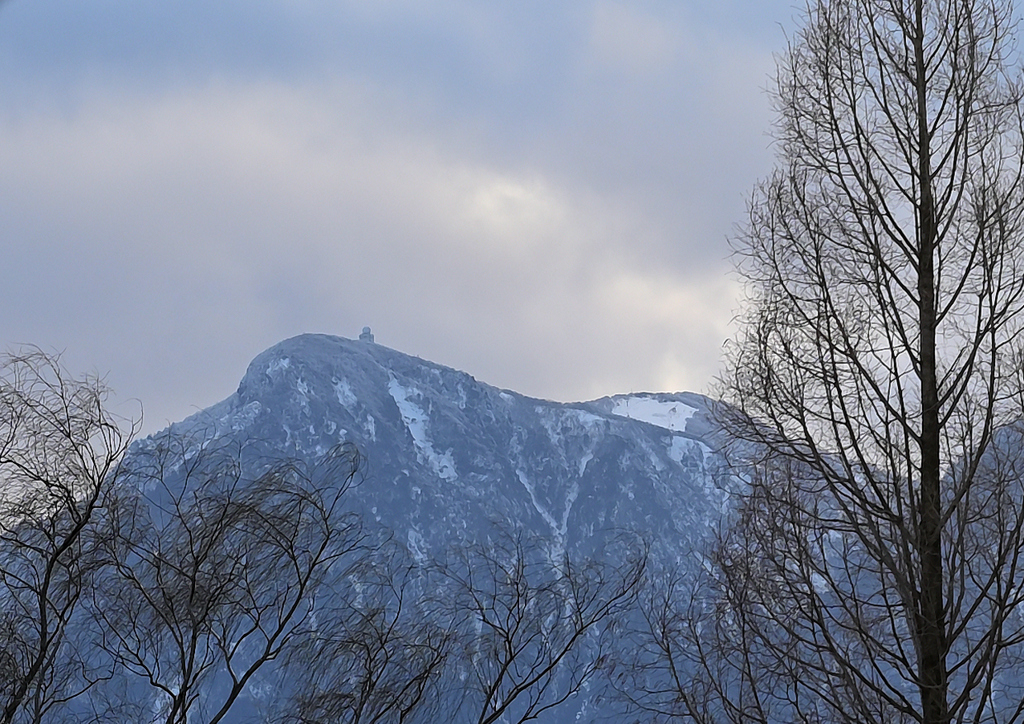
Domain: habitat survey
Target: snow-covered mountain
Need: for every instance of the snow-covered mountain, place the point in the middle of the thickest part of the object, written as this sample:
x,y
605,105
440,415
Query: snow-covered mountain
x,y
447,457
445,453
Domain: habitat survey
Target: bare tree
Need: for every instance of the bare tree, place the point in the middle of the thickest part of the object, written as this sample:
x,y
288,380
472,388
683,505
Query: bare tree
x,y
534,630
377,655
873,570
59,454
214,574
664,672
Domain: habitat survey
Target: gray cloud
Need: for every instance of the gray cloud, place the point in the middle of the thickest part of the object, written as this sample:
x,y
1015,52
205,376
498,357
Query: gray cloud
x,y
540,198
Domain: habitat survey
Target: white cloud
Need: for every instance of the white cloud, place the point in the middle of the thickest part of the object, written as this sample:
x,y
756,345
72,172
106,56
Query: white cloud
x,y
626,38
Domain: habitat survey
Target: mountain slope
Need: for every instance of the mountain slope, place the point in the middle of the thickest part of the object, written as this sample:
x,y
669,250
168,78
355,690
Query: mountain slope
x,y
448,460
445,453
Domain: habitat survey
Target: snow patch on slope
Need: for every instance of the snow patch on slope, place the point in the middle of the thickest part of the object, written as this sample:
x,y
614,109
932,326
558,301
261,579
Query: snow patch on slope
x,y
669,414
565,421
696,455
343,391
584,461
682,446
416,420
281,363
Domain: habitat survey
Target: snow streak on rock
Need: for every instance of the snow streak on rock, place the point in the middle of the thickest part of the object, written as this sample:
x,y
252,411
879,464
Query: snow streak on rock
x,y
416,421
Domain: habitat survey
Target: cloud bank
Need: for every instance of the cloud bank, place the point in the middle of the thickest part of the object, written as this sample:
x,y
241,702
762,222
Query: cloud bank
x,y
540,197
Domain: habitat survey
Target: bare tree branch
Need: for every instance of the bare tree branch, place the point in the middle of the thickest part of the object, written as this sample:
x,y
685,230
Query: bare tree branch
x,y
214,575
59,454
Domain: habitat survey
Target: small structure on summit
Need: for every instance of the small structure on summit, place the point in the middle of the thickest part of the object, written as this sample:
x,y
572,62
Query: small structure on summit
x,y
366,336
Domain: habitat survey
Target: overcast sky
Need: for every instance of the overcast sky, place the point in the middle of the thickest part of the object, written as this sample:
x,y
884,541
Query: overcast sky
x,y
538,193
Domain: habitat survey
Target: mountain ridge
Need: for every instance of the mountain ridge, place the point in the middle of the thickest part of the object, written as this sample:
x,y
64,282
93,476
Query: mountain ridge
x,y
433,432
450,459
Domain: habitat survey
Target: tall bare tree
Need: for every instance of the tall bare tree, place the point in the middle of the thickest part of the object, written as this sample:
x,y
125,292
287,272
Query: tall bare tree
x,y
59,452
873,573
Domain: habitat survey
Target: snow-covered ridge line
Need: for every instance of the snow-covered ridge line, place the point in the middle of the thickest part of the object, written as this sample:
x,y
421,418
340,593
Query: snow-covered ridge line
x,y
669,414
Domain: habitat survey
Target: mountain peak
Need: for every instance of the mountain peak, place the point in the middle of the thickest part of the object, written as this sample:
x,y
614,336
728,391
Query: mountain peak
x,y
439,440
322,355
447,456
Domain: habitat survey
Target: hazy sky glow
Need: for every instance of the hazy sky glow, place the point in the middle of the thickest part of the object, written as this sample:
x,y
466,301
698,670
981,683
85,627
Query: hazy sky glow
x,y
537,193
